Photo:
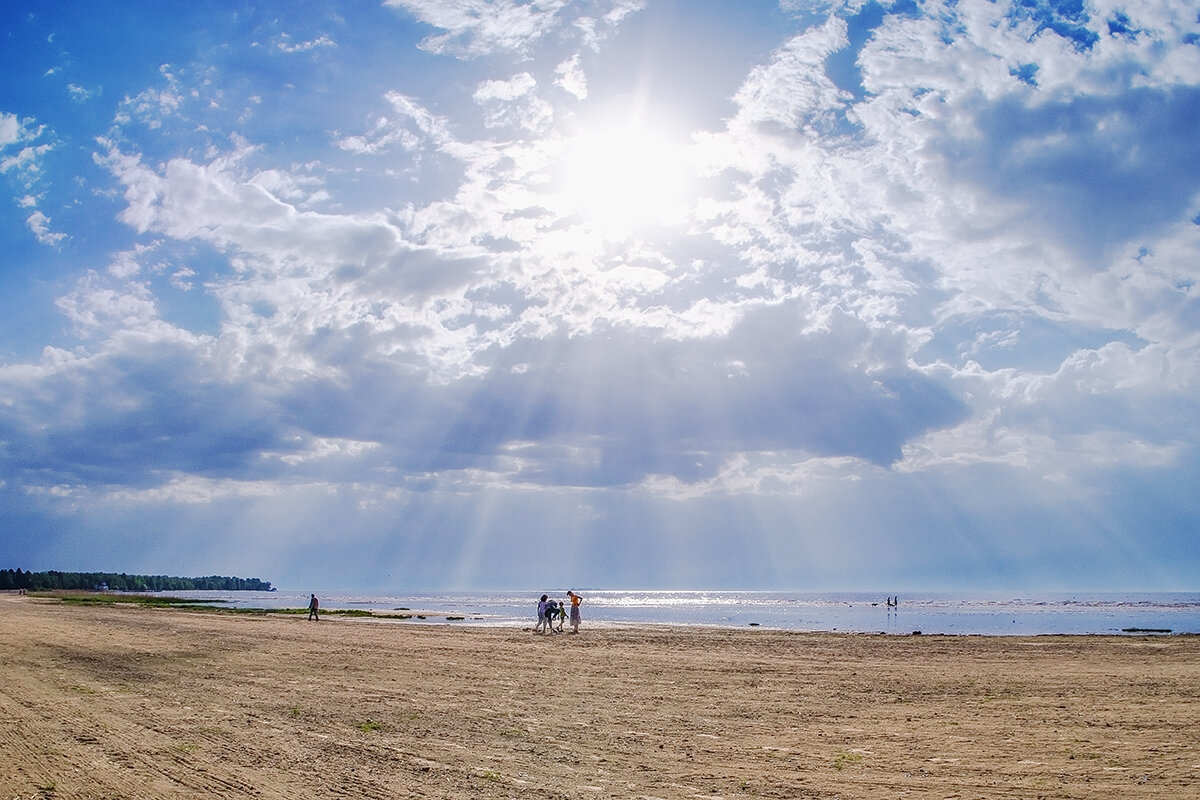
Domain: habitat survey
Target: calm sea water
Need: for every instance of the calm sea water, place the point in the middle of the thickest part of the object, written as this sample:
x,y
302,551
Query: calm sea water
x,y
959,613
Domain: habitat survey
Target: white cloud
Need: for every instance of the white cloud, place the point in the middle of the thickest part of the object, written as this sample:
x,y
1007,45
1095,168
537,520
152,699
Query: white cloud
x,y
39,223
10,129
95,308
517,87
181,279
413,127
475,28
291,186
595,30
149,107
379,139
79,94
793,91
321,449
887,206
128,263
24,161
514,103
286,45
571,78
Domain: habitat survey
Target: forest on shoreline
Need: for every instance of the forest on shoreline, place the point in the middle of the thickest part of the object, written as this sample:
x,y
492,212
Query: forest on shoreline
x,y
122,582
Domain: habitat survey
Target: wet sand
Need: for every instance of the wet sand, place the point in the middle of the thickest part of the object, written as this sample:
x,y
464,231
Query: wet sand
x,y
125,702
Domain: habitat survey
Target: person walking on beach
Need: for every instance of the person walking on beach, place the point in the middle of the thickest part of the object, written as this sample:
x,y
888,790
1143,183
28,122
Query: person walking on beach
x,y
575,601
541,615
313,605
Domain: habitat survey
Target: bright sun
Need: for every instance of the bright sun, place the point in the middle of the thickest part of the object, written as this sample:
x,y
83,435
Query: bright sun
x,y
624,177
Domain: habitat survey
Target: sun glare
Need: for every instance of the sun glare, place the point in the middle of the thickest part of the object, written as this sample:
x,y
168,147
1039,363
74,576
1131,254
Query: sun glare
x,y
624,177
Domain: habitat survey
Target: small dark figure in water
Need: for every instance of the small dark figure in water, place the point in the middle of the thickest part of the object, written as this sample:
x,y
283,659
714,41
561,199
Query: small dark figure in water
x,y
313,605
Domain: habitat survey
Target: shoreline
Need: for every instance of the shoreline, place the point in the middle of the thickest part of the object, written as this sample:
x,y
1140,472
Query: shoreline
x,y
1172,614
141,703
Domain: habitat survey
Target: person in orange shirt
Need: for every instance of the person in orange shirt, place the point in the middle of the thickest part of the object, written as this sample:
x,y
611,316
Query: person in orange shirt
x,y
575,601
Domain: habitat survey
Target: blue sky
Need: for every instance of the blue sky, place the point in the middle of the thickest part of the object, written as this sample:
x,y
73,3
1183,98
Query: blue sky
x,y
625,293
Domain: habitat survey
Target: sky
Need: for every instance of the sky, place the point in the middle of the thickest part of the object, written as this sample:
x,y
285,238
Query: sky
x,y
470,294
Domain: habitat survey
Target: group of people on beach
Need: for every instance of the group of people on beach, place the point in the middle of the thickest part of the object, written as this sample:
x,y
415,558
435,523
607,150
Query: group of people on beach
x,y
549,612
552,611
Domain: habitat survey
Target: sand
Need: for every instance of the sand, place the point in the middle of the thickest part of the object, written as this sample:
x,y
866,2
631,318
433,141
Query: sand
x,y
125,702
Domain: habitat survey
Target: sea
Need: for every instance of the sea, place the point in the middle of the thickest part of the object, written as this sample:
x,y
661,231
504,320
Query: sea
x,y
974,613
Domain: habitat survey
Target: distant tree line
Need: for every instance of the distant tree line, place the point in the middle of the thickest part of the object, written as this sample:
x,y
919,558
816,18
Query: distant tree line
x,y
120,582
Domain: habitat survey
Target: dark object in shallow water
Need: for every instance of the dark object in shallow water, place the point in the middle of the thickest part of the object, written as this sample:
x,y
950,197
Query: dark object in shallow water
x,y
1145,630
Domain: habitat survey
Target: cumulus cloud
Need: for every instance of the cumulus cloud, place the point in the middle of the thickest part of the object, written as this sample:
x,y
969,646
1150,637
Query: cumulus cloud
x,y
125,417
826,213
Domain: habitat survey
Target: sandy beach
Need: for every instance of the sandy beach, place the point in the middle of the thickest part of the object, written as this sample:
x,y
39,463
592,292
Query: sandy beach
x,y
127,702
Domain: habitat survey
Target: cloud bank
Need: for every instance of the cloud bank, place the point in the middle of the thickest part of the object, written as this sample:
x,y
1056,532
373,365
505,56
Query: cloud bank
x,y
912,304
